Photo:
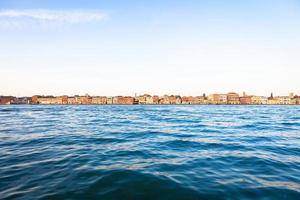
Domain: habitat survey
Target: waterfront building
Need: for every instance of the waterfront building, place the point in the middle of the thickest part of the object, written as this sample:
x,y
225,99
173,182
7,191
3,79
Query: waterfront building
x,y
164,99
155,99
297,100
40,100
257,100
204,99
135,101
284,100
246,100
217,99
222,99
186,100
72,100
149,99
7,99
48,100
210,99
64,99
273,101
233,98
77,99
293,101
59,100
142,99
178,99
109,100
99,100
127,100
20,100
34,99
281,100
172,99
44,99
201,99
115,100
84,99
193,100
198,100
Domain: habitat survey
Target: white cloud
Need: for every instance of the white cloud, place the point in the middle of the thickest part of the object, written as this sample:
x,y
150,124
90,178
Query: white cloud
x,y
19,18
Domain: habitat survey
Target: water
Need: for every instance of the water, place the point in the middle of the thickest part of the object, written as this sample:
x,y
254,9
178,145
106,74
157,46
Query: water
x,y
149,152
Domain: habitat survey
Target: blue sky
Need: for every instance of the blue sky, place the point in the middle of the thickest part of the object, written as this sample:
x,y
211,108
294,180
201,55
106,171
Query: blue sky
x,y
159,47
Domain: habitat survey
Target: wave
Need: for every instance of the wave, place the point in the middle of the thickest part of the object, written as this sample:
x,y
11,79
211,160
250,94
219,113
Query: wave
x,y
149,152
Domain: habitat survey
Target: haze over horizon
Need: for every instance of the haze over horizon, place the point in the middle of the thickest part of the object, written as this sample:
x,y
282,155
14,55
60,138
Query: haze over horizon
x,y
157,47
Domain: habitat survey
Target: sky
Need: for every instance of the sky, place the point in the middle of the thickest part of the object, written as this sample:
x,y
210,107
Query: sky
x,y
117,47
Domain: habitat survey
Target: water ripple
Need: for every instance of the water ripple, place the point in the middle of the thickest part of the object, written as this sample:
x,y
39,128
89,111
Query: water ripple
x,y
149,152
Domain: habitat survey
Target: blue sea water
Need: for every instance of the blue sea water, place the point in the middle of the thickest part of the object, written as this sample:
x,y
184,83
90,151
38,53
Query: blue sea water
x,y
149,152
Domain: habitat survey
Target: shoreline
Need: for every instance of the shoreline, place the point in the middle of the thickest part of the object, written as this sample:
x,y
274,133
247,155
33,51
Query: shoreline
x,y
150,104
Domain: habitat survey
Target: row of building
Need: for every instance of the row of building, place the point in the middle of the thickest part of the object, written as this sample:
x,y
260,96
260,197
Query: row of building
x,y
14,100
231,98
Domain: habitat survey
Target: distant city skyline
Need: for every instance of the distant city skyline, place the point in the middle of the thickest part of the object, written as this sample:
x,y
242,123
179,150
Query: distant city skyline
x,y
156,94
157,47
231,98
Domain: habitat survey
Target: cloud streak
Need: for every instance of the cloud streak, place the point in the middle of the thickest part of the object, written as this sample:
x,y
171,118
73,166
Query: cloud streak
x,y
46,16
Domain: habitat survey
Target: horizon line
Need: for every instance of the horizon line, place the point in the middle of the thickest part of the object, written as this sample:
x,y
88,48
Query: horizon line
x,y
143,94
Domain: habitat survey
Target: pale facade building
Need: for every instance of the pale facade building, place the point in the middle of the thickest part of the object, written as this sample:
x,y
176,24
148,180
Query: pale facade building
x,y
233,98
258,100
